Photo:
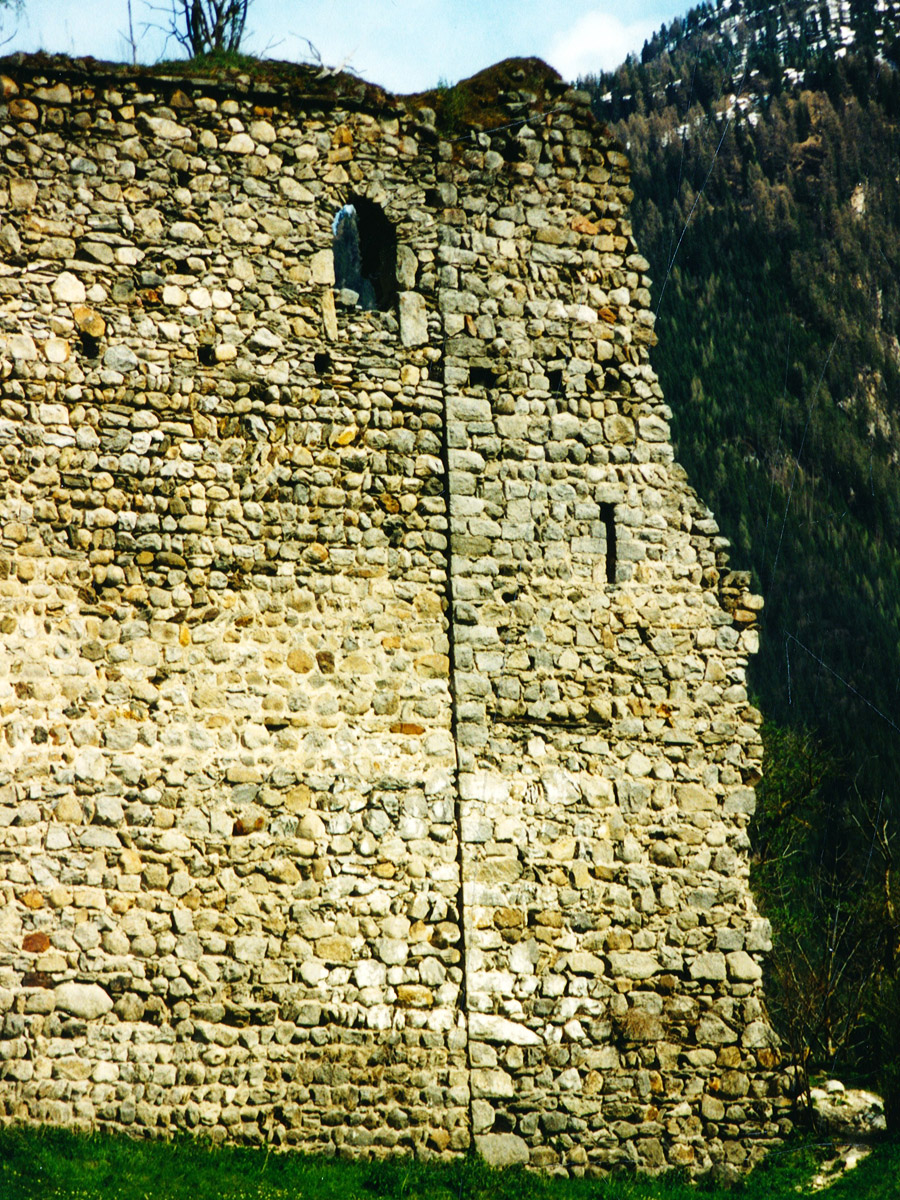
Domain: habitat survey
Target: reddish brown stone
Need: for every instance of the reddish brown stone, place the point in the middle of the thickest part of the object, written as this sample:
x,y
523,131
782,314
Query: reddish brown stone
x,y
242,828
35,943
37,979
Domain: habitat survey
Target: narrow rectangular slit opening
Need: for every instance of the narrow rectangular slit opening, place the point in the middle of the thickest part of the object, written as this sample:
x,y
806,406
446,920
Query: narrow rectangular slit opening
x,y
608,516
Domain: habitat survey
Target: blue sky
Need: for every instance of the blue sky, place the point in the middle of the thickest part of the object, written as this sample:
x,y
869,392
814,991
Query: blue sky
x,y
405,45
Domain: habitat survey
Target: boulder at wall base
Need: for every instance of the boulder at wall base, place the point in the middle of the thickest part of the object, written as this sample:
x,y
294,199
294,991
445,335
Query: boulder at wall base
x,y
502,1149
85,1000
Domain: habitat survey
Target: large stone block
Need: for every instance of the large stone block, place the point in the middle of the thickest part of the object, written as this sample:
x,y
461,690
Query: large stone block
x,y
502,1149
85,1000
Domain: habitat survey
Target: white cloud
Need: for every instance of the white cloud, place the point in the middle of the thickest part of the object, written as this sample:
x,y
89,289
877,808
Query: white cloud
x,y
596,42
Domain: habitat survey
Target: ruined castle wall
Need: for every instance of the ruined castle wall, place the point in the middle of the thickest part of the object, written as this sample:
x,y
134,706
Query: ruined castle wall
x,y
376,756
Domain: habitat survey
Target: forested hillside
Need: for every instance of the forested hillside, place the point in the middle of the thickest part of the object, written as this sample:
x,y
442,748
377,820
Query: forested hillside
x,y
765,147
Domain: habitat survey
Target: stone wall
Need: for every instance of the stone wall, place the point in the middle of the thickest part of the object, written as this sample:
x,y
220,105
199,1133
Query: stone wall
x,y
377,757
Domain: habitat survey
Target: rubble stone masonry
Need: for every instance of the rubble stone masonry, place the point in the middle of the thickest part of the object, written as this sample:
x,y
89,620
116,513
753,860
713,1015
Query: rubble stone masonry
x,y
376,753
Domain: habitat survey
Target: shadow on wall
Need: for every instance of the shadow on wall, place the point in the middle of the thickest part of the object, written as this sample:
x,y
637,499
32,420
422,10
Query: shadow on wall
x,y
365,253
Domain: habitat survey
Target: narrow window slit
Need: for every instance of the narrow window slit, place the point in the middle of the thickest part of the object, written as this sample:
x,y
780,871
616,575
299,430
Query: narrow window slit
x,y
608,517
322,363
206,355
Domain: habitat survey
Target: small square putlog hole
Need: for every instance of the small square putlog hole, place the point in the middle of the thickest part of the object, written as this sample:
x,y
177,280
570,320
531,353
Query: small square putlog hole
x,y
90,345
482,377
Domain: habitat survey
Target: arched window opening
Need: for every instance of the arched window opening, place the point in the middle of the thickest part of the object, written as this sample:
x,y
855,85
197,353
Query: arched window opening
x,y
365,253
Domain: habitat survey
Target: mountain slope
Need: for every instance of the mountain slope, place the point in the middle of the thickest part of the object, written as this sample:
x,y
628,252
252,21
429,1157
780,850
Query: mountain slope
x,y
791,33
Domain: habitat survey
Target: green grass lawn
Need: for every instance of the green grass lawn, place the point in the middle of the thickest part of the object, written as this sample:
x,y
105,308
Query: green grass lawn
x,y
51,1164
